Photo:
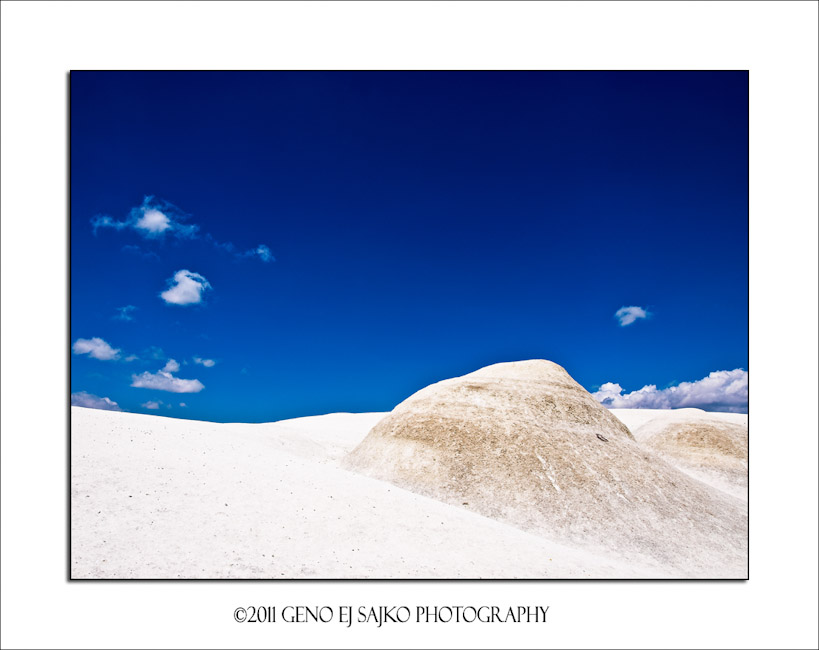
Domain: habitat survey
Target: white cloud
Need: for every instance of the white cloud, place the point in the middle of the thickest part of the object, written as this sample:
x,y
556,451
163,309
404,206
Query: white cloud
x,y
183,405
628,315
96,348
125,313
153,222
208,363
153,219
131,357
171,366
93,401
185,288
723,390
156,218
151,405
165,380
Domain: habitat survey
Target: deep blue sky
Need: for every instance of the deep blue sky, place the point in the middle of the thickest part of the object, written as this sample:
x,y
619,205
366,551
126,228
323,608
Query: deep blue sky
x,y
423,225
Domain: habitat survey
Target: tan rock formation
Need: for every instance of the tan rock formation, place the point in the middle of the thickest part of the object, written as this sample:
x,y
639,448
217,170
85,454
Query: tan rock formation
x,y
524,443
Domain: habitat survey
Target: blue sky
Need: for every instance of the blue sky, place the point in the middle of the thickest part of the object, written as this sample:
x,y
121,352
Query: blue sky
x,y
326,242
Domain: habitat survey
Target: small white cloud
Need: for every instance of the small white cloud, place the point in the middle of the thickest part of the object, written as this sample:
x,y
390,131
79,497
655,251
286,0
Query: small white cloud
x,y
171,366
125,313
165,380
131,357
153,219
208,363
153,222
183,405
96,348
723,390
93,402
185,288
628,315
151,405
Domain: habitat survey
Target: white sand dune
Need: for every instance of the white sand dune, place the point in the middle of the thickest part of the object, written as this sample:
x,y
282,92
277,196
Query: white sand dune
x,y
711,447
156,497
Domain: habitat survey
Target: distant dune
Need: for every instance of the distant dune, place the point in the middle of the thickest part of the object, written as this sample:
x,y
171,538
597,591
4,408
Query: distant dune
x,y
513,471
711,447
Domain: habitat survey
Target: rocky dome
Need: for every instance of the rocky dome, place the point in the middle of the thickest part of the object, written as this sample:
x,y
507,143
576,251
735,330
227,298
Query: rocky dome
x,y
524,443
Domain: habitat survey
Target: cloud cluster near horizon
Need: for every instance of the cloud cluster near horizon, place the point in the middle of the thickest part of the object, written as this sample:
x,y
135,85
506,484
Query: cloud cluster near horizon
x,y
185,288
164,379
90,401
723,390
156,220
628,315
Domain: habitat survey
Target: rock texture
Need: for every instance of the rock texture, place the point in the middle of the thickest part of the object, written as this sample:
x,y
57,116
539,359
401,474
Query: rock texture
x,y
711,447
524,443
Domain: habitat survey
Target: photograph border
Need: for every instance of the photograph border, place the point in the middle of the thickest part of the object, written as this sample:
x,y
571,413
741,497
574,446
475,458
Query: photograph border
x,y
70,578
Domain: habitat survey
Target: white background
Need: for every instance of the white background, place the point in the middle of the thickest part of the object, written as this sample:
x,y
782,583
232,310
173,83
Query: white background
x,y
777,42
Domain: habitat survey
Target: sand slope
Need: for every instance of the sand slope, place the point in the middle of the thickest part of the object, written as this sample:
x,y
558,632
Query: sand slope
x,y
156,497
525,444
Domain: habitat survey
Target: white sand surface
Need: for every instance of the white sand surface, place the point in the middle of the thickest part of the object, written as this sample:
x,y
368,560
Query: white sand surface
x,y
451,484
156,497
